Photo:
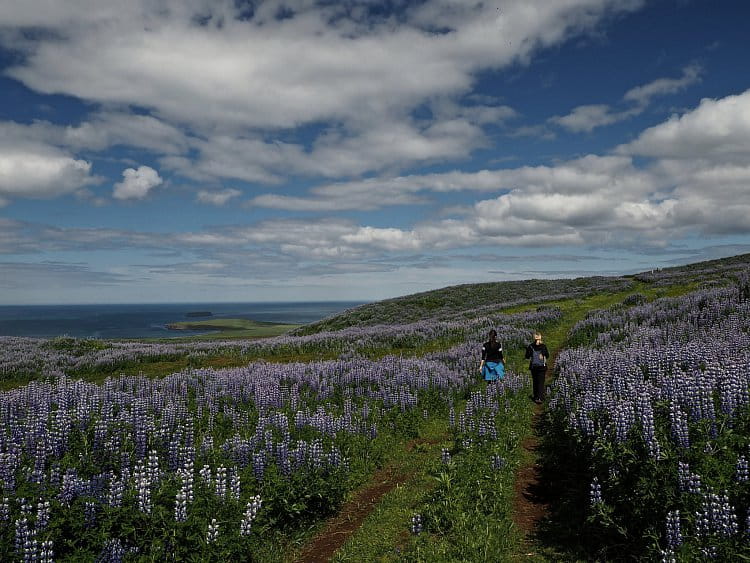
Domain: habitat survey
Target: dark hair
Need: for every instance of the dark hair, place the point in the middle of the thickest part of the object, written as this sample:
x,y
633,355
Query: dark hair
x,y
493,335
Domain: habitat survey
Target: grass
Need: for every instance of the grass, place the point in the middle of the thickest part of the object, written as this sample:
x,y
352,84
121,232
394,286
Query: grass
x,y
234,328
384,534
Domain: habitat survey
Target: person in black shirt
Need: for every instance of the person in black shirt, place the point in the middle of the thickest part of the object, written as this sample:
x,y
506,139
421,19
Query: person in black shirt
x,y
492,365
537,354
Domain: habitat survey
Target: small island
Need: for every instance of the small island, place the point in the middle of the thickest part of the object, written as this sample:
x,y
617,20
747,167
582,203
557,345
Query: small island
x,y
193,314
234,328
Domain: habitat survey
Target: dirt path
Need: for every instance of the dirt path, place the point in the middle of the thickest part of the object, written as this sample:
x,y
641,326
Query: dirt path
x,y
340,528
353,513
530,504
531,499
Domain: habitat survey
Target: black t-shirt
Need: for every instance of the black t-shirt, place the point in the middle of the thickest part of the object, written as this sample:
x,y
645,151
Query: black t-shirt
x,y
492,352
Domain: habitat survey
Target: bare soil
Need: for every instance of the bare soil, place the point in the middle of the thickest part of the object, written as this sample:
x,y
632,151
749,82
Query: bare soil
x,y
530,502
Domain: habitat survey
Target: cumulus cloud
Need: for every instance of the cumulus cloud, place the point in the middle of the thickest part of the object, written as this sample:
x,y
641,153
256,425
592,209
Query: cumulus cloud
x,y
718,129
137,183
585,175
217,198
163,59
696,182
221,82
335,152
36,170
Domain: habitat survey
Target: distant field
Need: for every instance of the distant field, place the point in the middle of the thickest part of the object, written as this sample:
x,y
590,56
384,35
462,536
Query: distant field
x,y
234,328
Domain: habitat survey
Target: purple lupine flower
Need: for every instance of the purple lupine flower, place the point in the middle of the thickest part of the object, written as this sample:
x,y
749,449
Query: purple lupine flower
x,y
689,482
445,456
89,514
213,531
46,555
26,509
42,514
251,512
153,467
742,473
206,476
416,524
221,482
716,516
180,505
143,487
497,462
116,490
595,492
234,484
668,556
674,535
112,552
259,465
69,488
22,536
5,510
679,423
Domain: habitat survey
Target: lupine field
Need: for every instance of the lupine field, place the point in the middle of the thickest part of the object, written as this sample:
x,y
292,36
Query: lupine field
x,y
652,406
648,411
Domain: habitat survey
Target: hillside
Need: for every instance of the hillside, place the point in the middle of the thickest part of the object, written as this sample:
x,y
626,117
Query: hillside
x,y
380,440
467,300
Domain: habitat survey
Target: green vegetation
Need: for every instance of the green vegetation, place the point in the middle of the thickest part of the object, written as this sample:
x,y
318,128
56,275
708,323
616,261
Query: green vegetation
x,y
234,328
464,503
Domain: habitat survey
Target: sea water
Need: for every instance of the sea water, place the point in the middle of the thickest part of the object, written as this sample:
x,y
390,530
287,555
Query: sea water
x,y
150,320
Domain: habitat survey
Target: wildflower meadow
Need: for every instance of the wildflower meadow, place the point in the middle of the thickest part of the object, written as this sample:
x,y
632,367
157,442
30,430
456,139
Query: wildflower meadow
x,y
102,460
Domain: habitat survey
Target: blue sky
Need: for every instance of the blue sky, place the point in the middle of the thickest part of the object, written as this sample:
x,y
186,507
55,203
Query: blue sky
x,y
165,151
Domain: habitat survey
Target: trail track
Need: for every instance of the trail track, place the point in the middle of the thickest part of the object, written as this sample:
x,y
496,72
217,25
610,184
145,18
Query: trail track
x,y
530,502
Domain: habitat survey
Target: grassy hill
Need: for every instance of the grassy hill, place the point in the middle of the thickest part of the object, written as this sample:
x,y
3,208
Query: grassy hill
x,y
457,460
468,300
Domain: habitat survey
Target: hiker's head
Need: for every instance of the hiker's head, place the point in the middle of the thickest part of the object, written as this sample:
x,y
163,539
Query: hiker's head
x,y
493,335
538,337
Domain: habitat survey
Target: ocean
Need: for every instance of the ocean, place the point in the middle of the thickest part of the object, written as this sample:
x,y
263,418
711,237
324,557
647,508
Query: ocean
x,y
149,320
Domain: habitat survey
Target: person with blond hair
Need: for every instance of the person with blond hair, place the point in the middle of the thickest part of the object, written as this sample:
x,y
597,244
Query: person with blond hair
x,y
537,354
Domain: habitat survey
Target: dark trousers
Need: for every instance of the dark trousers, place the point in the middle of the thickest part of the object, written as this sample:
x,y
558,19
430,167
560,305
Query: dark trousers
x,y
538,374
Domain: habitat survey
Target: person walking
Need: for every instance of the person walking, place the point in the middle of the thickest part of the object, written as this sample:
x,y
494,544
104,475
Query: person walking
x,y
537,354
492,365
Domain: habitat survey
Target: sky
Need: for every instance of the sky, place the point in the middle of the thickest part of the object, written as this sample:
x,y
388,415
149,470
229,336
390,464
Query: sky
x,y
227,150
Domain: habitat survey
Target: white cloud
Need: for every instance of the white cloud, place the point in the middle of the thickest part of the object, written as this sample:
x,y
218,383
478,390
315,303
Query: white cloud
x,y
222,93
217,198
642,95
586,175
387,239
385,145
325,62
136,183
717,129
589,117
586,118
35,170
